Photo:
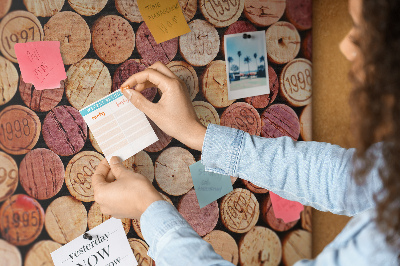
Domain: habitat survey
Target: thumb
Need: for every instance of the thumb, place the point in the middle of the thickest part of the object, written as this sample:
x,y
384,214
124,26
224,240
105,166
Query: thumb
x,y
138,100
117,168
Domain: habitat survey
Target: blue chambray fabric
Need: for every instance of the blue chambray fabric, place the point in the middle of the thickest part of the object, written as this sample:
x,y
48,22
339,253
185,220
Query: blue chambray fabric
x,y
312,173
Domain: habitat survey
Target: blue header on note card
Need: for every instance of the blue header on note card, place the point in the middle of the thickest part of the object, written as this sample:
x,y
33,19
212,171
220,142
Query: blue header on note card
x,y
94,106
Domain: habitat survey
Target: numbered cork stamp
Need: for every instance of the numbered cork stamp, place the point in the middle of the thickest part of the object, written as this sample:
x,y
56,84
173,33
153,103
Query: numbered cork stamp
x,y
8,80
19,129
140,249
18,27
39,254
242,116
9,254
78,175
21,220
221,13
206,113
223,244
187,74
96,217
8,176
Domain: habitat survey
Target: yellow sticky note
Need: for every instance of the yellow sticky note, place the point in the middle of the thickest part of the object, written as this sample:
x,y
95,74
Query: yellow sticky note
x,y
164,18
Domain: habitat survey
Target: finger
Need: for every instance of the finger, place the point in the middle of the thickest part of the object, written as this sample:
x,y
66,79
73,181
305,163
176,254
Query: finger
x,y
100,174
160,67
140,102
110,177
149,75
117,168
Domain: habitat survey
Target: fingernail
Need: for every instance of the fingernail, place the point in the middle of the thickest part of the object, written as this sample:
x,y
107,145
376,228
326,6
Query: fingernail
x,y
128,93
124,88
115,160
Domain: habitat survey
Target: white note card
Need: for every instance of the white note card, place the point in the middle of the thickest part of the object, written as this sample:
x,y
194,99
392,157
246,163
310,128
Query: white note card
x,y
118,126
108,247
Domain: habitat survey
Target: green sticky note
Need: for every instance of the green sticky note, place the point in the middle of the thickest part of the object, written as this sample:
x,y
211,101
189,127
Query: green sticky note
x,y
209,186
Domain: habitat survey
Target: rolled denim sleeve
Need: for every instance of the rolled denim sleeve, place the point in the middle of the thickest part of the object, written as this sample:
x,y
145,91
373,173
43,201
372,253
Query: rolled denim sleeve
x,y
312,173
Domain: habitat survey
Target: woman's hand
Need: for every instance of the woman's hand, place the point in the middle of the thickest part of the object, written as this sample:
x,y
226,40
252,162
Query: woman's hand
x,y
121,192
174,113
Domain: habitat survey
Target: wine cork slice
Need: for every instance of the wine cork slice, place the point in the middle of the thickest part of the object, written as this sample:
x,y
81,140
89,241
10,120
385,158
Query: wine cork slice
x,y
8,80
140,249
206,113
242,116
151,51
40,100
253,188
39,254
239,210
306,218
18,27
260,246
189,8
237,27
306,123
299,13
222,14
296,78
162,142
296,246
21,220
306,46
283,42
280,120
41,173
87,7
201,45
64,130
96,217
268,216
78,175
74,39
129,9
19,129
187,74
10,254
263,101
224,245
203,220
5,6
264,13
94,142
87,82
172,171
214,84
8,176
141,163
66,219
44,8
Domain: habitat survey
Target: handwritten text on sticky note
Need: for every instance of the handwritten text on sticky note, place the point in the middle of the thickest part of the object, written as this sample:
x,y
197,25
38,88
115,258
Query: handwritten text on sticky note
x,y
41,63
164,19
285,209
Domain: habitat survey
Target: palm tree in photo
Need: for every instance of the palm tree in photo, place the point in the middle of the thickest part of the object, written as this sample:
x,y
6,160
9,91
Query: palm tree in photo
x,y
239,54
230,60
247,60
262,59
261,69
255,58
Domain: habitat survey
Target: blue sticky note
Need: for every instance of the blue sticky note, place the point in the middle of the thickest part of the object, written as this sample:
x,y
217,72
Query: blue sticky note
x,y
209,186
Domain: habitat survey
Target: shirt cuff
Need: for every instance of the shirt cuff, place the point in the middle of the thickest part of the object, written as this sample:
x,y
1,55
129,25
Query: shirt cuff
x,y
221,150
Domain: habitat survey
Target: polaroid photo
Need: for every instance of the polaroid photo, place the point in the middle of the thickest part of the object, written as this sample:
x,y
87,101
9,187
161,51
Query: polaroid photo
x,y
246,64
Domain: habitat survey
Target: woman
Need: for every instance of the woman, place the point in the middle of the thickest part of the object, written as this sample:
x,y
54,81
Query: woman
x,y
362,182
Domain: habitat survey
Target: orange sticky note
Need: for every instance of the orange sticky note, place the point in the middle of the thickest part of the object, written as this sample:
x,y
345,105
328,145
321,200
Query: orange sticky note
x,y
41,63
164,19
285,209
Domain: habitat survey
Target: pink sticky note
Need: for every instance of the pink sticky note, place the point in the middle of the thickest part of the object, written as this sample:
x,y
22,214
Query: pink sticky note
x,y
41,64
287,210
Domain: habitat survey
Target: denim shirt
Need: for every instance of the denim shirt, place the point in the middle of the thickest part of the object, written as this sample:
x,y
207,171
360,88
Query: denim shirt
x,y
312,173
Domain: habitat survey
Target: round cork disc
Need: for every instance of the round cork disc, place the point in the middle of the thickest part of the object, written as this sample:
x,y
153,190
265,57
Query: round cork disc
x,y
214,84
78,175
140,249
239,210
189,8
306,218
41,173
253,188
64,130
19,129
94,142
264,13
296,246
203,220
283,42
280,120
18,27
224,245
201,45
87,7
66,219
237,27
268,216
306,123
260,246
21,220
39,254
162,142
74,39
9,254
87,81
172,171
242,116
113,39
187,74
141,163
223,13
295,79
129,9
151,51
8,176
96,217
8,80
4,7
44,8
206,113
40,100
299,13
